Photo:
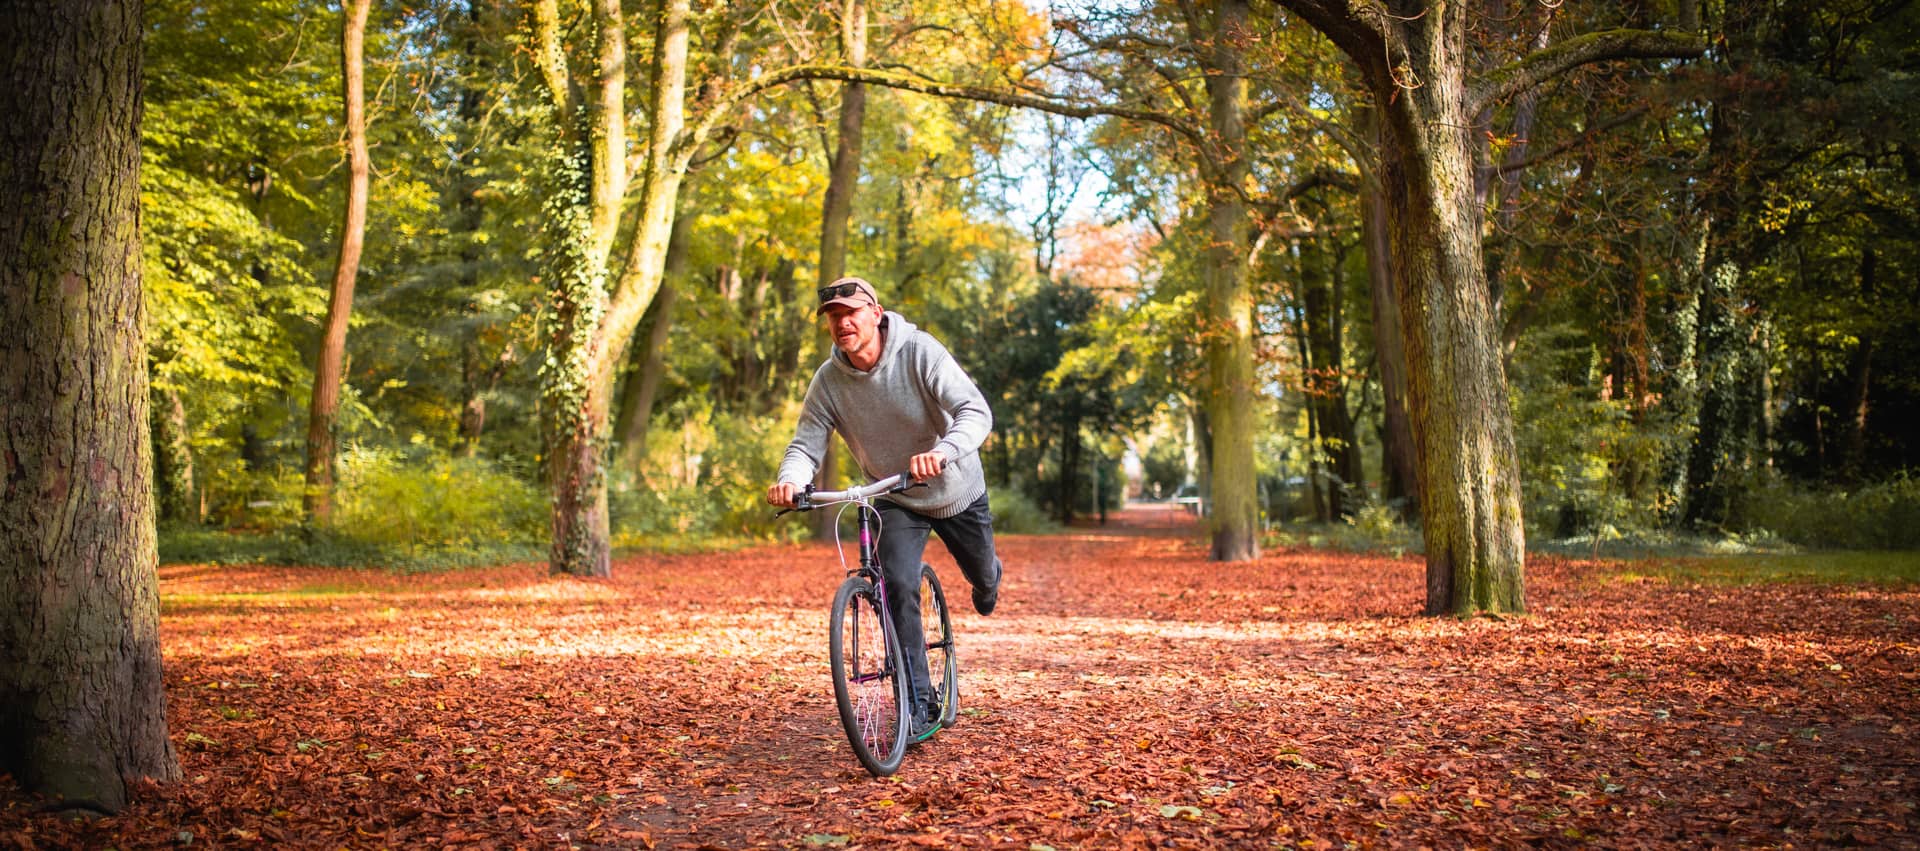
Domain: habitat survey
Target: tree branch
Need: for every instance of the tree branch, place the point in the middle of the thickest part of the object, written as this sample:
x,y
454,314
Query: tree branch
x,y
1358,27
1578,140
550,58
1542,65
726,103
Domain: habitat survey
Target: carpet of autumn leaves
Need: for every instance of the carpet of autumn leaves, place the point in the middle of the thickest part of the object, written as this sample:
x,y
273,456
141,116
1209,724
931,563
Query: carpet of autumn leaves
x,y
1128,693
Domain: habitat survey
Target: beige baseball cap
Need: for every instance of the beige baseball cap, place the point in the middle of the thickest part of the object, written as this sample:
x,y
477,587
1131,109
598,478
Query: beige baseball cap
x,y
849,291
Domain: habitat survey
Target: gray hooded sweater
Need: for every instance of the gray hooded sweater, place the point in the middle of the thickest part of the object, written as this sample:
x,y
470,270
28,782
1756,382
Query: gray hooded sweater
x,y
916,399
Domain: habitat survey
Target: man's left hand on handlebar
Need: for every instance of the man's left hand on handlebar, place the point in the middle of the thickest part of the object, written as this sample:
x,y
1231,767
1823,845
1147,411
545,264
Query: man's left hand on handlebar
x,y
926,465
782,494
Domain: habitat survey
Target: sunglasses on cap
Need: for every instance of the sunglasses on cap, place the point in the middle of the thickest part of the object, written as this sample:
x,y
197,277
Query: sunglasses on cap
x,y
830,293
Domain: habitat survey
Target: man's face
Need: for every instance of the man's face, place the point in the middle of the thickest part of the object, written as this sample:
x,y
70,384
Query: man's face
x,y
853,328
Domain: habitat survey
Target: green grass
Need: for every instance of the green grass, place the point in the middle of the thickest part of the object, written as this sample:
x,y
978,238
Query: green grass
x,y
1831,567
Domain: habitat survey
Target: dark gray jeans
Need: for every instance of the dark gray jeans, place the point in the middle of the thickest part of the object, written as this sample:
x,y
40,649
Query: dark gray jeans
x,y
903,540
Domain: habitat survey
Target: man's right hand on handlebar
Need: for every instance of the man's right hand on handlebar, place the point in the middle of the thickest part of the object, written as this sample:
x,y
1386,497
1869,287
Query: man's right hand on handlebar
x,y
782,493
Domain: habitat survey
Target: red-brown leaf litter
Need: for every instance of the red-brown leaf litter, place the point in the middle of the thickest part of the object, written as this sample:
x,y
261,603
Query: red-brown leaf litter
x,y
1128,693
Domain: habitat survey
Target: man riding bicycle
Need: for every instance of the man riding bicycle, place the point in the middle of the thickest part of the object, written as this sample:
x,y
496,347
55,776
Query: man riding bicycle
x,y
901,402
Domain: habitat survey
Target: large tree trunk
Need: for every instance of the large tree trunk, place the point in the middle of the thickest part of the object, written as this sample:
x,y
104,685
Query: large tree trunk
x,y
333,344
1457,389
1414,62
81,696
650,361
843,177
1228,314
587,178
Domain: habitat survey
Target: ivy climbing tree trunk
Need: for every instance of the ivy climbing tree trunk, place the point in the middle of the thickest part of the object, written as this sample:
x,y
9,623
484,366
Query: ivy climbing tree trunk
x,y
586,176
325,405
1729,406
1413,58
81,698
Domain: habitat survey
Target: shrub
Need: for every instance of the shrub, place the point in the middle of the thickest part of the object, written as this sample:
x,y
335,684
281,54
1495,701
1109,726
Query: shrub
x,y
387,500
428,511
706,476
1373,528
1885,515
1014,513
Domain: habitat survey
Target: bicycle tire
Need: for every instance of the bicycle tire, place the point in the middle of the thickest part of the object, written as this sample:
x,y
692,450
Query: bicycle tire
x,y
869,685
943,667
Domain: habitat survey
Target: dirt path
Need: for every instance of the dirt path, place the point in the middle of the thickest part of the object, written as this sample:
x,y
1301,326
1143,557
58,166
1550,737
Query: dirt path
x,y
1128,693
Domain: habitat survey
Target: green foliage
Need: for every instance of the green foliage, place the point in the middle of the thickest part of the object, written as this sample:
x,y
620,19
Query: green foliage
x,y
425,501
1586,465
1014,513
1165,468
1878,516
706,478
413,510
1372,529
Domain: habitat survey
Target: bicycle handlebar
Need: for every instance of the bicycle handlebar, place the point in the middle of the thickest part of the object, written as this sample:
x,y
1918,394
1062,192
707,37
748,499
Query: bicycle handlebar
x,y
810,499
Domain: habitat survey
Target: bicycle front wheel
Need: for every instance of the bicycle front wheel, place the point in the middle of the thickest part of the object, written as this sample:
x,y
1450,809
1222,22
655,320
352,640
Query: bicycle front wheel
x,y
943,670
869,680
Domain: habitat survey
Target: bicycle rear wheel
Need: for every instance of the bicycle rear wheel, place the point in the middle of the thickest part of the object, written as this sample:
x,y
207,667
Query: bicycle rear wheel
x,y
943,669
869,681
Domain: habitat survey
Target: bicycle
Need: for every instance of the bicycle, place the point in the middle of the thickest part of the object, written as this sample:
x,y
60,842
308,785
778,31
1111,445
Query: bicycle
x,y
870,686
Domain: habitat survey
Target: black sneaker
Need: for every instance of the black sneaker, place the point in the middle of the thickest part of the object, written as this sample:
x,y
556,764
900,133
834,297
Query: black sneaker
x,y
984,599
924,724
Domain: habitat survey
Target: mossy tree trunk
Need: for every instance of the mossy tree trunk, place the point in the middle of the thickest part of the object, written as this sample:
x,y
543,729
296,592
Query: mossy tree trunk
x,y
1231,400
1413,59
327,371
81,698
586,176
1456,388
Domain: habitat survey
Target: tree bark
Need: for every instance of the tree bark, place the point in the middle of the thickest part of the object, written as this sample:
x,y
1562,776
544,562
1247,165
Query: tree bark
x,y
1457,389
333,344
1228,317
587,178
843,177
650,362
81,696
